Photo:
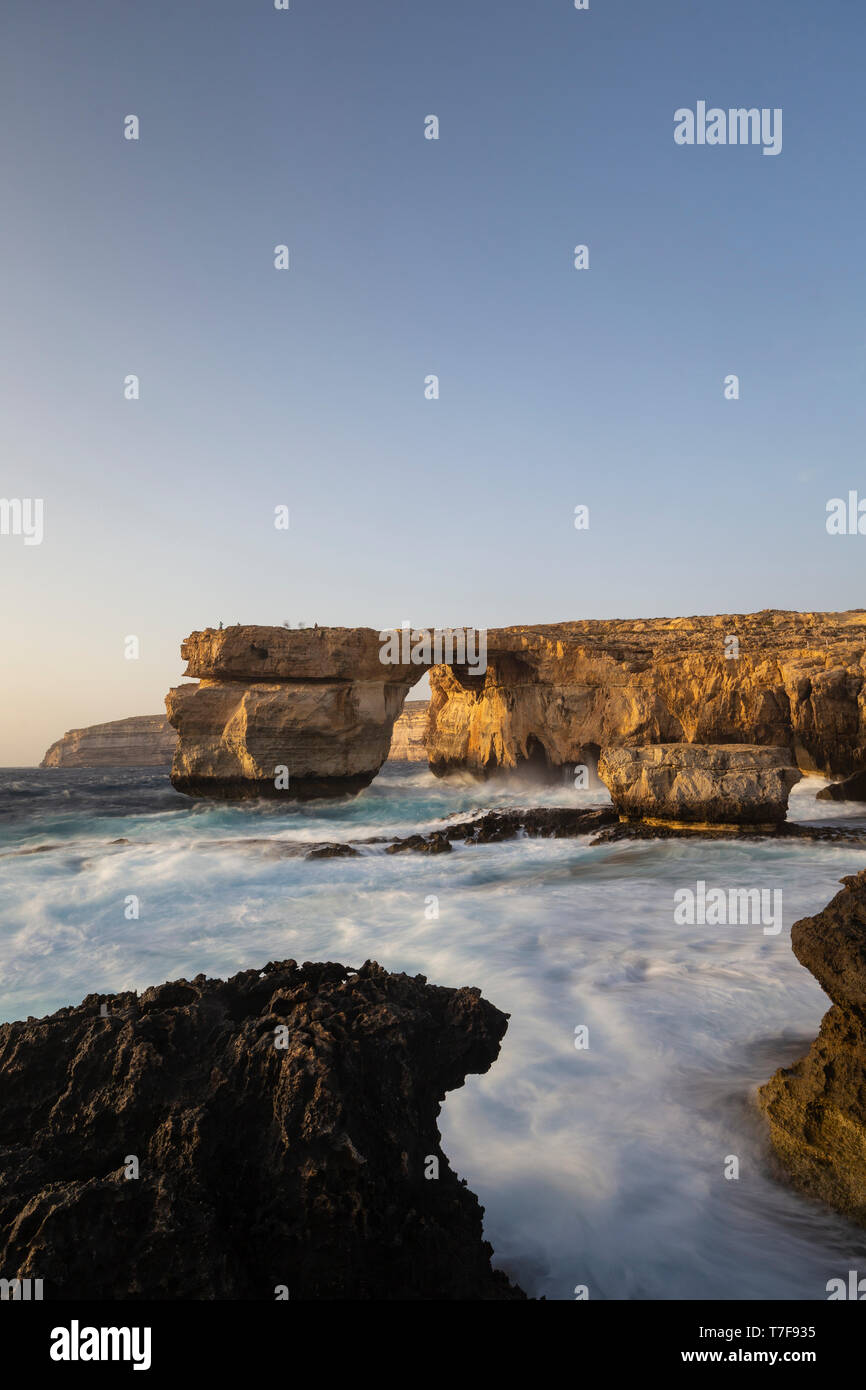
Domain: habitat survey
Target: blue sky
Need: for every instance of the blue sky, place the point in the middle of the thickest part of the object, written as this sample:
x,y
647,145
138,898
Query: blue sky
x,y
409,257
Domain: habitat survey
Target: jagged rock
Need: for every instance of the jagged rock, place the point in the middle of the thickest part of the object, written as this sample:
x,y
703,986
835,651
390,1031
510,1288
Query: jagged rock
x,y
259,1166
548,822
700,784
332,851
409,740
437,843
816,1109
852,789
146,740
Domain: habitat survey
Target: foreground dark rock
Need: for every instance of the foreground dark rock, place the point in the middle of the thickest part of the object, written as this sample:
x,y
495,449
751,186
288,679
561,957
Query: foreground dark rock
x,y
700,784
259,1166
816,1108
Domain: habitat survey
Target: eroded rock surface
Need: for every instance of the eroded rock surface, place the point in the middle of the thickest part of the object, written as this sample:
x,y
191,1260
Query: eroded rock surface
x,y
707,784
258,1166
321,703
553,696
279,712
816,1108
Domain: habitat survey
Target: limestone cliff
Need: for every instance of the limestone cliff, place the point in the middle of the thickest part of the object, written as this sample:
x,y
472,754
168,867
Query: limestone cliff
x,y
283,1128
555,695
145,740
318,706
816,1108
409,740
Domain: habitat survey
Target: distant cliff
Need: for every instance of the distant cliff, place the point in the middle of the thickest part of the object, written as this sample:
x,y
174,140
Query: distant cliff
x,y
409,739
145,740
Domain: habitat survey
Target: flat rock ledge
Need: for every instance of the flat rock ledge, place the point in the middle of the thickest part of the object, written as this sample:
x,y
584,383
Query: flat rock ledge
x,y
694,785
261,1167
816,1109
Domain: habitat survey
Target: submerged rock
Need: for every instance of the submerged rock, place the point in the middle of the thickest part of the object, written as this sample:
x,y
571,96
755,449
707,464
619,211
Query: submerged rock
x,y
700,784
788,830
547,822
435,843
816,1109
852,789
332,851
172,1149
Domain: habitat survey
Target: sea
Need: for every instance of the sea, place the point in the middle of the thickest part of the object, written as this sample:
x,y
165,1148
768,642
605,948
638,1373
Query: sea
x,y
600,1143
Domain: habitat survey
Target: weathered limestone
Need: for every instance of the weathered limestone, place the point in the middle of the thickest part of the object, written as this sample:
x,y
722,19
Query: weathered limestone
x,y
555,695
731,784
321,703
317,702
145,740
816,1108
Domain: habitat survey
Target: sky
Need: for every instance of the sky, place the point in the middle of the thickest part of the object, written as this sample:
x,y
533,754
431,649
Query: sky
x,y
408,258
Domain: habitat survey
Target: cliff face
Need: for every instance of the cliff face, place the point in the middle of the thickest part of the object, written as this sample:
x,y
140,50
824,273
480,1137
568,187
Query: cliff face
x,y
146,740
258,1165
321,703
816,1108
554,696
409,740
317,702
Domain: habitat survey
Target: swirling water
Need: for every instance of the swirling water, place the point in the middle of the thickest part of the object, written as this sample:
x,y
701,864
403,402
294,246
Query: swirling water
x,y
602,1166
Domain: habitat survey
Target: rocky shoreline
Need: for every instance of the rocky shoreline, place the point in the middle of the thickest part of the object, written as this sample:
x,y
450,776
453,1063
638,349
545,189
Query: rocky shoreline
x,y
271,1135
816,1108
